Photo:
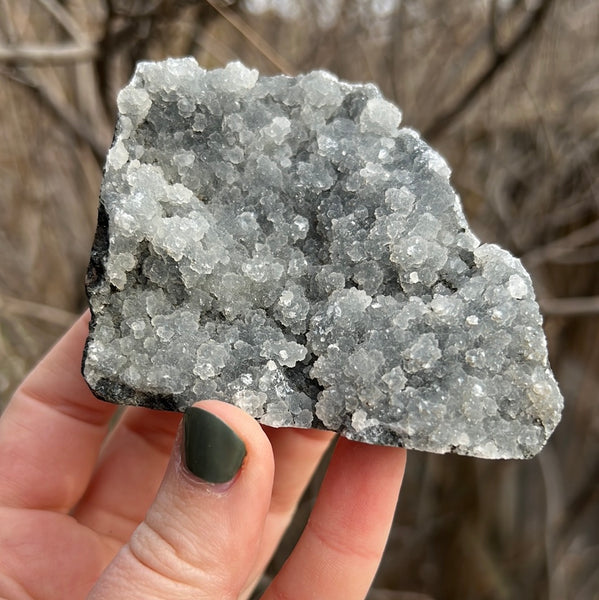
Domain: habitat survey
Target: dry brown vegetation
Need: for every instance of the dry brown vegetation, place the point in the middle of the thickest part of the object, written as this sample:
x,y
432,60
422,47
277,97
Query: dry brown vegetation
x,y
507,90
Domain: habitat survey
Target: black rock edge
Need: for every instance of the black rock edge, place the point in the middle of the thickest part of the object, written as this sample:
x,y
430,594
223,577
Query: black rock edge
x,y
106,389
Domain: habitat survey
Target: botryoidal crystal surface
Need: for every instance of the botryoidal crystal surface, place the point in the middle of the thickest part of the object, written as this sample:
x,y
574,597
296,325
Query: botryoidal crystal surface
x,y
283,244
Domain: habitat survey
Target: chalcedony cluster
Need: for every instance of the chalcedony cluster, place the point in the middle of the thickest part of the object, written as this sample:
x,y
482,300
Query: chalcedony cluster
x,y
283,244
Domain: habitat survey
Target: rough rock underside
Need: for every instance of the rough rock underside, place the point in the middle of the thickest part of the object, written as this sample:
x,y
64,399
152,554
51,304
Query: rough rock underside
x,y
282,244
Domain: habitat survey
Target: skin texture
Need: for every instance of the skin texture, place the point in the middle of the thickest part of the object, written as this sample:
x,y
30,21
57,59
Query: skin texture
x,y
88,512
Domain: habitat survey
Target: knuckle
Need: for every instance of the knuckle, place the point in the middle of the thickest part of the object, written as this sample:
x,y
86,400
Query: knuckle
x,y
162,560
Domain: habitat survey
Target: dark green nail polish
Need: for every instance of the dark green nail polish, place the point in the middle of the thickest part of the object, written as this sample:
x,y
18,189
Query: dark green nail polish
x,y
212,450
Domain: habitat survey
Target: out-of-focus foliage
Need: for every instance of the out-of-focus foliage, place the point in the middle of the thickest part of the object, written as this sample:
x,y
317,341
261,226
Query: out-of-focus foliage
x,y
508,90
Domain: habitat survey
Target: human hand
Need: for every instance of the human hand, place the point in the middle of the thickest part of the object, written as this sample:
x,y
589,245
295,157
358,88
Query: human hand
x,y
88,511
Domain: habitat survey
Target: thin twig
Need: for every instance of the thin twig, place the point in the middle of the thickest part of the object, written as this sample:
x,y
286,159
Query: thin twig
x,y
36,310
34,54
65,19
66,114
6,24
493,20
553,482
570,307
120,30
564,245
253,38
214,47
446,119
578,256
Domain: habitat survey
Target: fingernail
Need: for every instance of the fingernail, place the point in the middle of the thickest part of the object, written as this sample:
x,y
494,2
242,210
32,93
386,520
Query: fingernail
x,y
212,450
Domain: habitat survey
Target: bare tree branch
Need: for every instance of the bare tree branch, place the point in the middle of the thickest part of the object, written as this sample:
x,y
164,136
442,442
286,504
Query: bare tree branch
x,y
564,245
110,43
253,38
446,119
65,19
570,307
493,20
35,310
34,54
67,114
214,47
6,25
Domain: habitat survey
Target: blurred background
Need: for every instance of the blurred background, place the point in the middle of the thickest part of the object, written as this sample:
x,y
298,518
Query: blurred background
x,y
507,90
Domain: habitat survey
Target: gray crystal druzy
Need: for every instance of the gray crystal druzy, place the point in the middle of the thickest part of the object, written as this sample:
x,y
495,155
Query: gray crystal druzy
x,y
282,244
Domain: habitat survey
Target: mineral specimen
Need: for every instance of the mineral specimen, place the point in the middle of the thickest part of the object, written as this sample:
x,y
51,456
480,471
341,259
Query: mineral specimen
x,y
282,244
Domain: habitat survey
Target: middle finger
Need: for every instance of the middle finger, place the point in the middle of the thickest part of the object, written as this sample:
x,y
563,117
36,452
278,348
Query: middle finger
x,y
297,453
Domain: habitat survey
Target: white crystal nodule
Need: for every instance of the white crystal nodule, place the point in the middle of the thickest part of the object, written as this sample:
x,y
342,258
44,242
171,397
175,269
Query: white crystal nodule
x,y
283,244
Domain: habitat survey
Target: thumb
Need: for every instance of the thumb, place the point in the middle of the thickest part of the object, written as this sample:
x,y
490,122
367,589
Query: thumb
x,y
201,535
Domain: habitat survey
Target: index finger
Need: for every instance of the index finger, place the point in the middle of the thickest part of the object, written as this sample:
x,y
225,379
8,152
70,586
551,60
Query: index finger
x,y
52,430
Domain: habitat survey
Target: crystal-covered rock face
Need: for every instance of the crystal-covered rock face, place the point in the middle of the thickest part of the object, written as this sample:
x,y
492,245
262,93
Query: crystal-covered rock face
x,y
282,244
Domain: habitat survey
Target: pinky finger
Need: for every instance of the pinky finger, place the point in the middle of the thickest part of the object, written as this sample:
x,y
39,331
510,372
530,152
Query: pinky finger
x,y
341,547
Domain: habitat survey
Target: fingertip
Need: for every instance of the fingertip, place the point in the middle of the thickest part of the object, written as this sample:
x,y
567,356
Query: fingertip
x,y
258,450
212,451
